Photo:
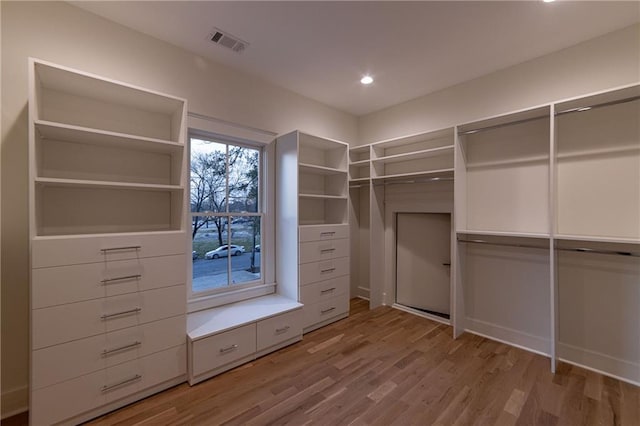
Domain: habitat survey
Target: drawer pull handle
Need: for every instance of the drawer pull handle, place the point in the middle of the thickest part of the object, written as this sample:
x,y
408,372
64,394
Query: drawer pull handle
x,y
328,233
329,290
107,388
282,330
327,270
229,349
327,250
130,311
324,311
106,250
121,348
128,277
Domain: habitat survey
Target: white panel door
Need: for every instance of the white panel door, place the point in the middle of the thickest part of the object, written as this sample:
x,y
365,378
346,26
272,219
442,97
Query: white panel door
x,y
422,261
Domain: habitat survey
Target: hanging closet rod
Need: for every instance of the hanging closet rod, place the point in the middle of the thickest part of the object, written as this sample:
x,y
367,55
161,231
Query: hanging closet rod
x,y
462,240
497,126
417,180
600,251
604,104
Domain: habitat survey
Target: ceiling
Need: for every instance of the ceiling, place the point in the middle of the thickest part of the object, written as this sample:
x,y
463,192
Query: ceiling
x,y
321,49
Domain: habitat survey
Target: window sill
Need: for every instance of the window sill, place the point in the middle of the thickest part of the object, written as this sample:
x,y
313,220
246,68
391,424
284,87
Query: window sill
x,y
215,300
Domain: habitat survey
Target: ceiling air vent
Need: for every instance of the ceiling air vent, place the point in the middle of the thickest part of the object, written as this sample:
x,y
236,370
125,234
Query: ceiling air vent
x,y
227,40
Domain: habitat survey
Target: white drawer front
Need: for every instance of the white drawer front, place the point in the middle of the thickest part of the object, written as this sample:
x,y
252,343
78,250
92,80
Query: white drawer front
x,y
69,360
89,249
75,283
324,290
324,310
63,323
323,232
315,251
68,399
325,270
220,349
278,329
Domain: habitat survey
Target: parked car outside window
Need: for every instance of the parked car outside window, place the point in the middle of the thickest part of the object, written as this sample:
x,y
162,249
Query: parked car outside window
x,y
223,251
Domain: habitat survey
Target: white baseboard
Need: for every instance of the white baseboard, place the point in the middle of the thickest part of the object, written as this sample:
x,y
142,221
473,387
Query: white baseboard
x,y
617,368
362,293
15,401
509,336
421,314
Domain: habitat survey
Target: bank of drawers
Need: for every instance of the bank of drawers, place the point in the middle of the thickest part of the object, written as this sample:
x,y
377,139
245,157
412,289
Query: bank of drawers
x,y
323,274
108,320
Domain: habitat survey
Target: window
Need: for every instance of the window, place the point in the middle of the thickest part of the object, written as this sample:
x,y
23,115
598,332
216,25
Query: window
x,y
226,215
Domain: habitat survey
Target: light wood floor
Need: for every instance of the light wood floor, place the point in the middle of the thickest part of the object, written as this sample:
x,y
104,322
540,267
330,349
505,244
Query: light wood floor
x,y
385,367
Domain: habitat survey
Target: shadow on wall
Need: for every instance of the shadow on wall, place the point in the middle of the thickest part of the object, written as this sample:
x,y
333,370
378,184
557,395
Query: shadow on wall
x,y
14,284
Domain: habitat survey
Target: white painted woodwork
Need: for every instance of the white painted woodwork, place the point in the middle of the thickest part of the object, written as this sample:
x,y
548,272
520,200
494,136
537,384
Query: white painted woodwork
x,y
215,351
318,313
323,290
107,171
328,232
74,283
323,270
314,251
278,329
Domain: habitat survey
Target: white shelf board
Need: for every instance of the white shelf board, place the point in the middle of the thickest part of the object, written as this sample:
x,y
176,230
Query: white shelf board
x,y
322,196
63,79
88,136
415,155
320,170
359,149
360,163
359,180
208,322
588,238
504,234
104,184
410,139
110,235
442,173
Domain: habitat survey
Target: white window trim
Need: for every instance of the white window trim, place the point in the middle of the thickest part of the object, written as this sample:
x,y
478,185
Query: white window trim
x,y
224,131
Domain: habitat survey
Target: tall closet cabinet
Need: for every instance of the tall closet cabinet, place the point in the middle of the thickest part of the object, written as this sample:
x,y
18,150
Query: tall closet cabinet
x,y
546,246
108,241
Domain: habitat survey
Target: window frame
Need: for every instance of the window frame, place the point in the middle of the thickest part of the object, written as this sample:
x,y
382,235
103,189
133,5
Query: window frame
x,y
235,292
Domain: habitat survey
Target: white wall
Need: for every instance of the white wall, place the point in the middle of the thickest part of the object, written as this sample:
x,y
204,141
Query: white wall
x,y
598,64
64,34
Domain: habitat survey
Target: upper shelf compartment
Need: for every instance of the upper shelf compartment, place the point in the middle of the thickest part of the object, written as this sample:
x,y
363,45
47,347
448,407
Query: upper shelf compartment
x,y
79,99
426,154
325,153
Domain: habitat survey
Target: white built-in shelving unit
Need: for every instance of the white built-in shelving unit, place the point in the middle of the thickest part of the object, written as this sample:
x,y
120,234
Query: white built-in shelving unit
x,y
107,197
312,194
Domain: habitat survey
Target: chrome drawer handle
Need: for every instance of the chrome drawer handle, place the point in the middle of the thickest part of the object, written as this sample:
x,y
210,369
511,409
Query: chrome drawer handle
x,y
327,250
130,311
327,270
128,277
327,310
282,330
229,349
121,348
329,290
328,233
105,250
135,378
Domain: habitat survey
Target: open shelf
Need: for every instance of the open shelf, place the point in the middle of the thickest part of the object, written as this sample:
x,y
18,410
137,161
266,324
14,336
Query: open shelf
x,y
320,170
503,234
432,174
359,154
316,151
322,196
415,155
84,100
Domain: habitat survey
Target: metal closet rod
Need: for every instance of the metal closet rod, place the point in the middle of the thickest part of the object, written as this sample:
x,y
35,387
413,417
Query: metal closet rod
x,y
603,104
497,126
464,240
417,180
600,251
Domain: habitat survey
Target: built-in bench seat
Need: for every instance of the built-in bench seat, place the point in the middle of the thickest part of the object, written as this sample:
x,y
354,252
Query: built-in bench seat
x,y
225,337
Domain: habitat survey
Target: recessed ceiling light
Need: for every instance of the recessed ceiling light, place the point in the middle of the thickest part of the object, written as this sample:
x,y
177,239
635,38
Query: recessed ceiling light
x,y
548,1
367,79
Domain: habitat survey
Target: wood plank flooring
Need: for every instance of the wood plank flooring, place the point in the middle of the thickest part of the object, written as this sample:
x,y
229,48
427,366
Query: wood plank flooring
x,y
388,367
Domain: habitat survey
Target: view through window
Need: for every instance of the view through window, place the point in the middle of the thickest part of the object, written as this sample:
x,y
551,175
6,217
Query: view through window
x,y
226,215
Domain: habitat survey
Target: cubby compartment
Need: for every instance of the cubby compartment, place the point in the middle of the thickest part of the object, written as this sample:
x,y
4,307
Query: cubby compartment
x,y
81,99
92,209
316,151
72,153
322,211
598,166
322,182
503,174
